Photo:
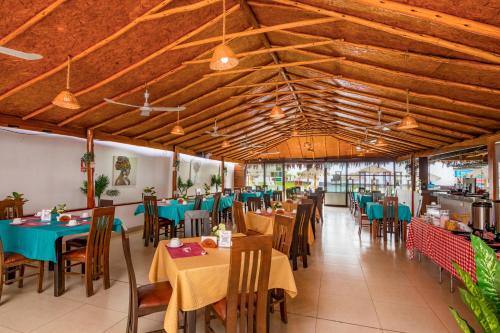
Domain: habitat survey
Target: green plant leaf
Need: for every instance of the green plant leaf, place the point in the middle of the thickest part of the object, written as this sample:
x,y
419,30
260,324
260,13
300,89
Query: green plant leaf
x,y
482,312
462,323
468,282
487,268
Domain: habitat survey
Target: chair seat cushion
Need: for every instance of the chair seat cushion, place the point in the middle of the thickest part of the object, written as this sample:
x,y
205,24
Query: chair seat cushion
x,y
12,258
76,255
154,294
77,242
220,307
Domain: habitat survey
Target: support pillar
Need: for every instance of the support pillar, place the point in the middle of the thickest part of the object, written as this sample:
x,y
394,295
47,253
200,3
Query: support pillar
x,y
90,170
222,175
174,173
492,170
413,180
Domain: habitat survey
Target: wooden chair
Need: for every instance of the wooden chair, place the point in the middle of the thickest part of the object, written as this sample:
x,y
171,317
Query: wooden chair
x,y
258,188
267,200
95,256
299,246
289,193
146,299
105,203
321,203
277,196
390,220
10,209
239,219
11,263
248,188
214,215
237,194
282,241
198,201
153,223
253,204
227,191
314,198
250,265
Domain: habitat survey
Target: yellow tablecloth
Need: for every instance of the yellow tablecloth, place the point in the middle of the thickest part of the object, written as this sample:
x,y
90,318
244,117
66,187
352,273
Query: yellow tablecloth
x,y
200,281
290,205
265,224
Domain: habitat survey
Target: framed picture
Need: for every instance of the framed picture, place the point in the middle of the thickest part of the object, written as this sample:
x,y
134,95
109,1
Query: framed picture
x,y
124,170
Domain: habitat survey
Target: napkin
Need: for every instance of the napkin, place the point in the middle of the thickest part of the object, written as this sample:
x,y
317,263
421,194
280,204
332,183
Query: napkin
x,y
258,211
187,250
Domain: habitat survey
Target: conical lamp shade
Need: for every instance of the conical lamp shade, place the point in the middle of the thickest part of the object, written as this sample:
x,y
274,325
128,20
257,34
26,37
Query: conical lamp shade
x,y
225,144
381,142
223,58
177,130
407,123
277,112
67,100
295,133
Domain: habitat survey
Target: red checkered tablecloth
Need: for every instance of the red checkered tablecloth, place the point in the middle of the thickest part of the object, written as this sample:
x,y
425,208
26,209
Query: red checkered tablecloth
x,y
441,246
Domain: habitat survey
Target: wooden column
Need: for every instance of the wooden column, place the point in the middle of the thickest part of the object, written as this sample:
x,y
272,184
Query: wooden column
x,y
222,176
283,179
174,173
423,172
492,170
90,171
413,180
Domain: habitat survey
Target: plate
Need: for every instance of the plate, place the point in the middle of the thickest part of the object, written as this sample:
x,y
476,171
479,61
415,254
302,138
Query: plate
x,y
174,247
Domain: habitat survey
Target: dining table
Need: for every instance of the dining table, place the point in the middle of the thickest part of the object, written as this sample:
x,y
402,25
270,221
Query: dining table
x,y
199,279
363,199
263,222
175,211
375,211
39,240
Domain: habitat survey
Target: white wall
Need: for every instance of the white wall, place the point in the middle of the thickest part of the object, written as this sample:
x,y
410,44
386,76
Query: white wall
x,y
199,170
46,168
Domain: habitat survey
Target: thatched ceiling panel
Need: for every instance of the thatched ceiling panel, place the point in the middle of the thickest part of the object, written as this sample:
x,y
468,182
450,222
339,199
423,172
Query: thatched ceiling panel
x,y
23,10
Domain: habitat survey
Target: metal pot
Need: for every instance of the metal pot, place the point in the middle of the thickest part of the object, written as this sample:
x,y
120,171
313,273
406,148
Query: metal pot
x,y
481,215
496,206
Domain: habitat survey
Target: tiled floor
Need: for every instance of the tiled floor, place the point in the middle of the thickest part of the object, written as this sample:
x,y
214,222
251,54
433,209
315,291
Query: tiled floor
x,y
352,285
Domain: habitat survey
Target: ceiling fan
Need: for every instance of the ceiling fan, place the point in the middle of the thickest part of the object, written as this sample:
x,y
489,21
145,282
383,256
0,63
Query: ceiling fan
x,y
246,144
20,54
146,109
215,132
379,125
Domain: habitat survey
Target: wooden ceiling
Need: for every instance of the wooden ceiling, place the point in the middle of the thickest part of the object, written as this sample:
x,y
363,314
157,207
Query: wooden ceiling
x,y
336,63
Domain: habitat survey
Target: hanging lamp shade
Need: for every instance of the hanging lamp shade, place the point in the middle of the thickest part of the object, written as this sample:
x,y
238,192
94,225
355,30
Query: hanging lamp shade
x,y
65,99
223,58
225,144
381,142
358,148
295,133
408,122
177,130
277,112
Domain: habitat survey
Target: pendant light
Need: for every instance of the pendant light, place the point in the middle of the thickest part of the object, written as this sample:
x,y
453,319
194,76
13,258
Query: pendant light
x,y
177,129
225,144
381,142
65,99
223,57
295,132
276,111
408,122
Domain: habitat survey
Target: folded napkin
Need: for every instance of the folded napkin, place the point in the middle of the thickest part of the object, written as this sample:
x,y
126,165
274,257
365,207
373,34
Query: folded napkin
x,y
185,251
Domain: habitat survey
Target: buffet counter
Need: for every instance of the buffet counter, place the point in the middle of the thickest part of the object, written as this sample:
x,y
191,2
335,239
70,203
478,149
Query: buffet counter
x,y
460,206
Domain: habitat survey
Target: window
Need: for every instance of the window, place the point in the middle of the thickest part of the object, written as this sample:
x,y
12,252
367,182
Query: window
x,y
274,177
336,177
307,176
255,175
371,176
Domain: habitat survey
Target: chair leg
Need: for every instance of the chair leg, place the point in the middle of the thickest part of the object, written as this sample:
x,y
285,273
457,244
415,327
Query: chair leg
x,y
68,263
41,268
146,234
283,313
89,283
208,317
21,277
107,283
156,236
2,274
294,262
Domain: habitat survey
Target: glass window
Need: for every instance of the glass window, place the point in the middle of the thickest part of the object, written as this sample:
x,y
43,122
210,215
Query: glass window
x,y
371,176
307,176
336,177
255,175
403,175
274,177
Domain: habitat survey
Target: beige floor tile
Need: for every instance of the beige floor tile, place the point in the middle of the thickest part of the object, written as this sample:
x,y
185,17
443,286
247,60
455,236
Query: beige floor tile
x,y
7,330
347,309
145,325
87,319
400,294
296,324
408,318
328,326
344,287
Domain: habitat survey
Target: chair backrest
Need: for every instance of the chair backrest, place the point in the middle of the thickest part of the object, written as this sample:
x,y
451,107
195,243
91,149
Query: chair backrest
x,y
130,269
296,190
314,198
277,196
239,217
253,204
258,188
198,201
215,209
248,188
267,200
237,194
150,211
249,269
10,209
227,191
283,233
391,208
301,226
100,232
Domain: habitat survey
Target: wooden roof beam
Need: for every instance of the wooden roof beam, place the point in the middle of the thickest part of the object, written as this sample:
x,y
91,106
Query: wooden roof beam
x,y
465,49
271,83
177,10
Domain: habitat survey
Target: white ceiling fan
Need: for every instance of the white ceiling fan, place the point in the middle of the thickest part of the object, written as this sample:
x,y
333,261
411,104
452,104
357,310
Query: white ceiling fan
x,y
379,125
215,132
146,109
19,54
246,144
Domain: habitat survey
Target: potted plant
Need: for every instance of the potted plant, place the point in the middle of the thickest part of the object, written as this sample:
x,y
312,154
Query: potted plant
x,y
483,297
17,197
87,161
216,180
278,207
149,191
206,188
100,185
217,229
183,187
57,210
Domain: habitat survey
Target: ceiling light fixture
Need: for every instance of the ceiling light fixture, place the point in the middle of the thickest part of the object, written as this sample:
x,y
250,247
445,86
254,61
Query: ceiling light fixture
x,y
225,144
65,99
177,129
276,111
408,122
223,57
381,142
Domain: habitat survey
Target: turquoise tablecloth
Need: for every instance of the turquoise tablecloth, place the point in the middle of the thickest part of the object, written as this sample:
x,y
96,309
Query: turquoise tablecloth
x,y
38,242
175,211
363,199
375,211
